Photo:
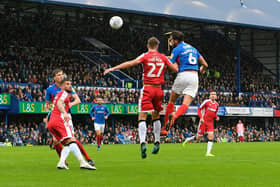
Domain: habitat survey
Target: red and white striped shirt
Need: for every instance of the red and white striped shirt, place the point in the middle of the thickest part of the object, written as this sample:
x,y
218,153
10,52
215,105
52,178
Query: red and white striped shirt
x,y
64,96
208,110
240,127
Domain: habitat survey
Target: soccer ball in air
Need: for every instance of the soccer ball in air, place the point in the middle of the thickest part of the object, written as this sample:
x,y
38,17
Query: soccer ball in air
x,y
116,22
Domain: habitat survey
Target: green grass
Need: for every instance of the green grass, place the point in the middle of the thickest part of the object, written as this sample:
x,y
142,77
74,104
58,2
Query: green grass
x,y
246,164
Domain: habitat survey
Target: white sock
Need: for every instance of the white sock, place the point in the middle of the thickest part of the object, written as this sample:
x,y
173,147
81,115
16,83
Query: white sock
x,y
76,151
142,129
209,147
157,127
64,154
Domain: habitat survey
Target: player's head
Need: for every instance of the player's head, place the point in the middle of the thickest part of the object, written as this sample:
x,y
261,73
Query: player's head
x,y
153,43
176,37
239,121
57,75
99,100
66,83
213,95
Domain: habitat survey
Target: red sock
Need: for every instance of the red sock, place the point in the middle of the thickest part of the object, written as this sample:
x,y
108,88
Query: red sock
x,y
98,140
82,149
181,110
242,138
58,148
169,110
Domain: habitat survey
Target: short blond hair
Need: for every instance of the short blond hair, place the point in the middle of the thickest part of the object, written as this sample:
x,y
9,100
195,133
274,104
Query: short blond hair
x,y
153,42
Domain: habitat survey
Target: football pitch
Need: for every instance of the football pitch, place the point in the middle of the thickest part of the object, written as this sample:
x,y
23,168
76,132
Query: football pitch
x,y
239,164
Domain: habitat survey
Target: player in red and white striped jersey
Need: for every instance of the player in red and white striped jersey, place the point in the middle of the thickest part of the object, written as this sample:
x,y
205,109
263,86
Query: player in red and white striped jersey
x,y
240,130
207,113
60,127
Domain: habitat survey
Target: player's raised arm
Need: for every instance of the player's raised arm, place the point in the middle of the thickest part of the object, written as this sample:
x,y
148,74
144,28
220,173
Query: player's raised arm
x,y
77,99
174,55
203,64
124,65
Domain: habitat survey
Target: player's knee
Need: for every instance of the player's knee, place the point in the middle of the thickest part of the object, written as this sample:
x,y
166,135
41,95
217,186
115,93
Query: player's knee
x,y
210,137
155,116
142,116
68,141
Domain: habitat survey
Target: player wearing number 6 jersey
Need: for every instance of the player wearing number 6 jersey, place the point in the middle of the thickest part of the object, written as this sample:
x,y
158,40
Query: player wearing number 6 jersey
x,y
186,82
154,65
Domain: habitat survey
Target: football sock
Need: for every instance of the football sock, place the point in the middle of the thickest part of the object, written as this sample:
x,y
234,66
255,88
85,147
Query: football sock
x,y
76,151
98,138
209,146
169,110
157,127
64,154
181,110
58,149
82,149
142,131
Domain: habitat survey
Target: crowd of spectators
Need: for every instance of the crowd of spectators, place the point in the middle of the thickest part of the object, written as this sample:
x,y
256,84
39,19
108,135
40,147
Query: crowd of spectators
x,y
32,45
125,132
36,92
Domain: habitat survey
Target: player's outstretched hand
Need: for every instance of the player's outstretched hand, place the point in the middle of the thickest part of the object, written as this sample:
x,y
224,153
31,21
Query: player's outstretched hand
x,y
105,117
107,71
93,118
218,118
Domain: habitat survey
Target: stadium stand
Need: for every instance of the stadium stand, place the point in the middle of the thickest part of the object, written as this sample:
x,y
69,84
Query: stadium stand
x,y
28,59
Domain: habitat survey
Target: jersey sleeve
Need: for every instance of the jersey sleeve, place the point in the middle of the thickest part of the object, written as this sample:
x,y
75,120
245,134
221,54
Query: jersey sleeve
x,y
198,54
166,60
63,96
174,55
48,95
201,107
141,58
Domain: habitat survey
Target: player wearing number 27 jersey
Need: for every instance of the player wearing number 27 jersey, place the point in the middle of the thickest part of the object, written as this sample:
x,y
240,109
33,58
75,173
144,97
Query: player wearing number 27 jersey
x,y
151,95
154,65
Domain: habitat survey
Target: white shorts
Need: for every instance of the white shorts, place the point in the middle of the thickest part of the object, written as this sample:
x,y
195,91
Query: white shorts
x,y
71,125
99,127
240,133
186,83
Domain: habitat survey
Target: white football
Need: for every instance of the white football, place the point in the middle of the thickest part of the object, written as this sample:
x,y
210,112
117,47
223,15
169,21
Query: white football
x,y
116,22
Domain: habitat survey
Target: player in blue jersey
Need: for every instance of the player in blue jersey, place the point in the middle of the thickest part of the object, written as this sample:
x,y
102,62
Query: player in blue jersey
x,y
51,92
99,113
186,82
